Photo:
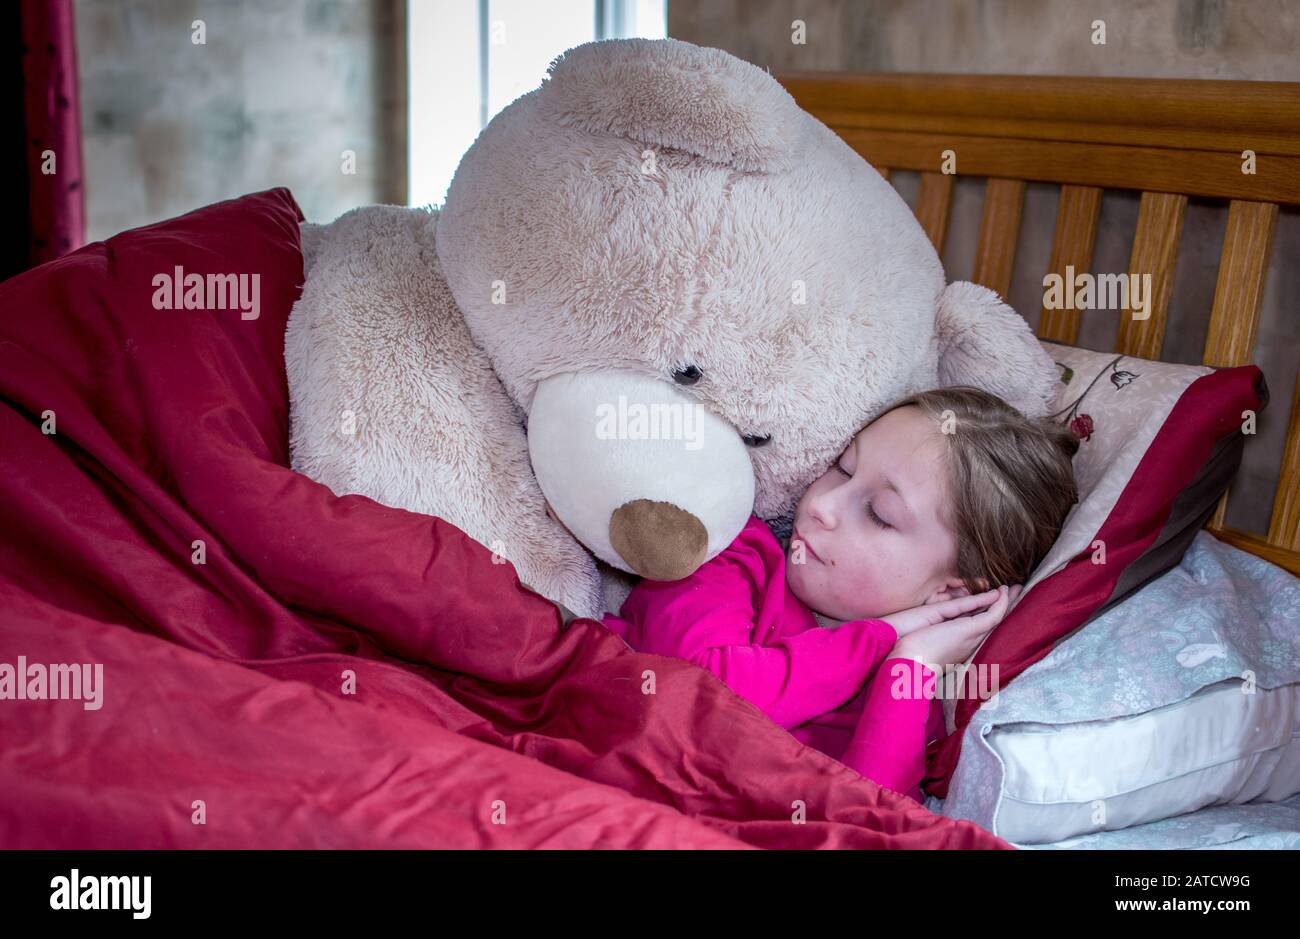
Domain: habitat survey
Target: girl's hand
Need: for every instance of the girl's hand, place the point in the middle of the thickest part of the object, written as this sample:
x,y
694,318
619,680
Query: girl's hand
x,y
955,640
931,614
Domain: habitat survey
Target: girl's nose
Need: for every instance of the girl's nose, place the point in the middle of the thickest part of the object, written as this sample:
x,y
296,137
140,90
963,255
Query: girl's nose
x,y
821,510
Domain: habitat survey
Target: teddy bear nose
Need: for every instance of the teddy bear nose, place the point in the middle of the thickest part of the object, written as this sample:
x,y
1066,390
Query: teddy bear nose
x,y
658,540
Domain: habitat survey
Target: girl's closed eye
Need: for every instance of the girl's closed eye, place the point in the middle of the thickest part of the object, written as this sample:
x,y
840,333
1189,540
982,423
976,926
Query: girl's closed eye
x,y
871,511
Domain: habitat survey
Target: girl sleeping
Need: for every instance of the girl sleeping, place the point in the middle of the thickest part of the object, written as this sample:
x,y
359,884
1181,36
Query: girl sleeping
x,y
904,555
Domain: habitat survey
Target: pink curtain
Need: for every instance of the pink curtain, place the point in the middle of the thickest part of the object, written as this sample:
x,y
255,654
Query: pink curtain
x,y
53,126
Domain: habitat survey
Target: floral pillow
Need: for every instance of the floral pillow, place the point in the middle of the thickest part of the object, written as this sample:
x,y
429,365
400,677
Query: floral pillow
x,y
1079,420
1158,445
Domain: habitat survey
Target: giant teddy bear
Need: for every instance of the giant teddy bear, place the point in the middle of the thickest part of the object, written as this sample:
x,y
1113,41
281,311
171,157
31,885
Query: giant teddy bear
x,y
659,296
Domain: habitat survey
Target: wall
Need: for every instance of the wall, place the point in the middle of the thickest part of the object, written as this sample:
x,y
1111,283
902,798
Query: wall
x,y
1144,38
1255,40
280,89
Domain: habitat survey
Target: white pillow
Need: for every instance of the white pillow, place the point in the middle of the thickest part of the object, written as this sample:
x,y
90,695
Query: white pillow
x,y
1186,694
1218,747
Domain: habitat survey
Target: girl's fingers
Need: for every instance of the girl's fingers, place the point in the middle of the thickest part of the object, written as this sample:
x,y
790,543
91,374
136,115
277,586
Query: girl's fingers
x,y
999,608
991,599
984,621
966,604
964,634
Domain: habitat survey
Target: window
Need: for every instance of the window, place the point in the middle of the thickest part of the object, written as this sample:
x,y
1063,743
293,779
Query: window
x,y
470,58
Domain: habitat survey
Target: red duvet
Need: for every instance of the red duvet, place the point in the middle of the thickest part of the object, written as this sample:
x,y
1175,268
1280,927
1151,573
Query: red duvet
x,y
335,673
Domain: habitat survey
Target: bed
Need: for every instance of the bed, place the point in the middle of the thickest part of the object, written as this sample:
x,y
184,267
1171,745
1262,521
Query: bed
x,y
218,652
1171,142
282,667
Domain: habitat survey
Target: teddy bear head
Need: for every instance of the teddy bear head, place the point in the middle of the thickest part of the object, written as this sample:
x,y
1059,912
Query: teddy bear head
x,y
665,211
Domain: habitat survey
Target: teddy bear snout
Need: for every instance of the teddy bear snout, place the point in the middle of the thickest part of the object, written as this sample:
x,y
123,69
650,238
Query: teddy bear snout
x,y
638,470
658,540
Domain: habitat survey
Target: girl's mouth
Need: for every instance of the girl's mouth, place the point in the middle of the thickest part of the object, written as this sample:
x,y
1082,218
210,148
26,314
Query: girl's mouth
x,y
807,547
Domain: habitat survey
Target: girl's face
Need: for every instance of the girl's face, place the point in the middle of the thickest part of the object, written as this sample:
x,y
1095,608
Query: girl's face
x,y
869,536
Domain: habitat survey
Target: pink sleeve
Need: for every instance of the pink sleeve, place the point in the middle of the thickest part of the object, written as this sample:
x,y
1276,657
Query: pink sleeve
x,y
709,619
888,745
803,676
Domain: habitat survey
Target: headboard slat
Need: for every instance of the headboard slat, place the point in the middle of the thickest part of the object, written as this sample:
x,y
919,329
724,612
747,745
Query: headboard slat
x,y
1284,527
1243,265
995,257
1234,319
932,204
1195,134
1146,109
1209,173
1155,251
1076,233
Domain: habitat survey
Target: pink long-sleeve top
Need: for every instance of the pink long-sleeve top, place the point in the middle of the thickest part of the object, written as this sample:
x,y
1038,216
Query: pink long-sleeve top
x,y
834,689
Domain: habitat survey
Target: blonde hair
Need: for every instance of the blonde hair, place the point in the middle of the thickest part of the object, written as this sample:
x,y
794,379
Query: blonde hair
x,y
1011,482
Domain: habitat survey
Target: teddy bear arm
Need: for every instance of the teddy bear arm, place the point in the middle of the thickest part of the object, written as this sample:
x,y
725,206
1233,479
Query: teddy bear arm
x,y
390,398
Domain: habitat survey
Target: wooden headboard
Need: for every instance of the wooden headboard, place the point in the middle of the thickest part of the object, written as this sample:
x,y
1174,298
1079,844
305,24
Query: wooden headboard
x,y
1166,139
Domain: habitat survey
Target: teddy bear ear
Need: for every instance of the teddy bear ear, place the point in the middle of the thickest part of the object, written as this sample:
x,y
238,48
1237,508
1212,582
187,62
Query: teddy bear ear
x,y
985,343
673,94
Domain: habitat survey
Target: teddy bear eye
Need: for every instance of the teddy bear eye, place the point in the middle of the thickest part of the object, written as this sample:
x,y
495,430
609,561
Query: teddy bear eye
x,y
756,440
687,375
